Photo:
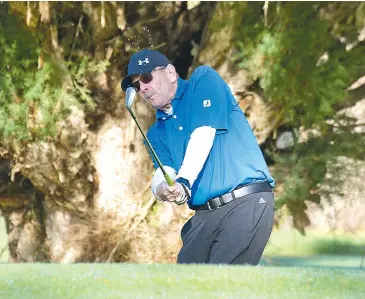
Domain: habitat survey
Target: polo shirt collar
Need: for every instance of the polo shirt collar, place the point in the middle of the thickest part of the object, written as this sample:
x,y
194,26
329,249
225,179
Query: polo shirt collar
x,y
181,86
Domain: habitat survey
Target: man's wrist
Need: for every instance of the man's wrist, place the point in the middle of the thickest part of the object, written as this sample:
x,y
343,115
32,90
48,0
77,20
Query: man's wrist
x,y
184,182
185,188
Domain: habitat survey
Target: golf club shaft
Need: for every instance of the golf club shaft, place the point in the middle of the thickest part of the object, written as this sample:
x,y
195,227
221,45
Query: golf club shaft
x,y
169,181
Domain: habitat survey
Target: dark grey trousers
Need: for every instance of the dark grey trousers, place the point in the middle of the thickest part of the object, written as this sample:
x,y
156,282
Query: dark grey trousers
x,y
236,233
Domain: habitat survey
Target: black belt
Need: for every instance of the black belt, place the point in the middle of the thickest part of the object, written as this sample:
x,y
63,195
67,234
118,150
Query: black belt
x,y
219,201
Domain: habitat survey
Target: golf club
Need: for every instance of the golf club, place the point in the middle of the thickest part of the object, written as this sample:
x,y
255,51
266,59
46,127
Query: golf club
x,y
129,99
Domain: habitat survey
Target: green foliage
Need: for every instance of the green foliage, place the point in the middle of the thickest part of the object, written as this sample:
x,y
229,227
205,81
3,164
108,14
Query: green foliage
x,y
81,71
290,59
36,88
304,72
29,94
228,15
314,168
16,57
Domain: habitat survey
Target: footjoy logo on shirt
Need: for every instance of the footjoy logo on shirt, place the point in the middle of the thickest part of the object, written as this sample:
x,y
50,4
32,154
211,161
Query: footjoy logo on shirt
x,y
206,103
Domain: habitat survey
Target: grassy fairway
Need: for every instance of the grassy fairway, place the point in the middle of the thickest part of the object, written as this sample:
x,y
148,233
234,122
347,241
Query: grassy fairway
x,y
318,249
176,281
292,243
288,250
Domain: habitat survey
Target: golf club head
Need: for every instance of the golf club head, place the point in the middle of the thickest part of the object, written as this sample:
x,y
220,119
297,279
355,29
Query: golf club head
x,y
130,95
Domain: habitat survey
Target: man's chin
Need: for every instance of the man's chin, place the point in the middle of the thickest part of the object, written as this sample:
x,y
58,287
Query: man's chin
x,y
157,105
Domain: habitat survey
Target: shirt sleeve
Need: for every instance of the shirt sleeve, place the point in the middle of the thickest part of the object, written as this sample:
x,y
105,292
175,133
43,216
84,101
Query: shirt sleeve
x,y
210,101
160,149
197,151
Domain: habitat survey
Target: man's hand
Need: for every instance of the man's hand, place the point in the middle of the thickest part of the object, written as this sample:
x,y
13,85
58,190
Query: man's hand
x,y
168,193
176,193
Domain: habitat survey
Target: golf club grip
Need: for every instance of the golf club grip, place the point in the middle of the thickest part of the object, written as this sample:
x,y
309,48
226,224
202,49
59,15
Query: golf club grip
x,y
169,181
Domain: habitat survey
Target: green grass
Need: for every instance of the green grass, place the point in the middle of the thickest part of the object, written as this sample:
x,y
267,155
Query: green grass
x,y
343,261
316,249
292,243
176,281
293,267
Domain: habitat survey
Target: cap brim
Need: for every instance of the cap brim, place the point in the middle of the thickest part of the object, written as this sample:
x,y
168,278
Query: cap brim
x,y
126,82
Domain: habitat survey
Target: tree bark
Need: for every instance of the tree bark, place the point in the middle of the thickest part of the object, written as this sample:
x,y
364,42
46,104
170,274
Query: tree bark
x,y
91,178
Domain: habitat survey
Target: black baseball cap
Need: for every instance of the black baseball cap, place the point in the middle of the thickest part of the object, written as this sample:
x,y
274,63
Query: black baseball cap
x,y
143,62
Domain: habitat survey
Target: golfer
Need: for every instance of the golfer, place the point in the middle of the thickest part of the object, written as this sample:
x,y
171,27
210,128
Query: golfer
x,y
205,143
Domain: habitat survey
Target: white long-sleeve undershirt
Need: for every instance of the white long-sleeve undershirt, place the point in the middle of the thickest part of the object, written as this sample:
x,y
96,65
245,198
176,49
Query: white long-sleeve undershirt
x,y
197,151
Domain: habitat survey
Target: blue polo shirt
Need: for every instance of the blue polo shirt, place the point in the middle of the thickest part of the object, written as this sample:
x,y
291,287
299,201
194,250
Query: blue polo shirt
x,y
235,158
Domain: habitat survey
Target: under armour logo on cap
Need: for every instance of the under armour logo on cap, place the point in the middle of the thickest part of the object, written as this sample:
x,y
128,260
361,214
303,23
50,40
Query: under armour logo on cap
x,y
142,62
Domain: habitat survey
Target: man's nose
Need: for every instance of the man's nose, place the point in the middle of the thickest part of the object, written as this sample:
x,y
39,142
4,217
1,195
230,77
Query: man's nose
x,y
143,86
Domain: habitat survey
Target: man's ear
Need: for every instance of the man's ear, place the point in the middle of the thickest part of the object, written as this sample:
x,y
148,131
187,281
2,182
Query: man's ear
x,y
171,73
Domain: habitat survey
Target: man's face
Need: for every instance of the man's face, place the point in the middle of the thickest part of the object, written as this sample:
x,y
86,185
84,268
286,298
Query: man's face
x,y
157,87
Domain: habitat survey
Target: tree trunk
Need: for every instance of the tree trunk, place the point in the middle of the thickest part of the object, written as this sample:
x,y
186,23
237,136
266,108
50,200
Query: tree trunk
x,y
89,197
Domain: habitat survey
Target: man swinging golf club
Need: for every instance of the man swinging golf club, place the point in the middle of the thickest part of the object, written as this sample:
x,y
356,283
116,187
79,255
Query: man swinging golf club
x,y
205,154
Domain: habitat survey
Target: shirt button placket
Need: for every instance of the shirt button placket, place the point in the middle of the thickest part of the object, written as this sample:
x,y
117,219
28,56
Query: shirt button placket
x,y
180,127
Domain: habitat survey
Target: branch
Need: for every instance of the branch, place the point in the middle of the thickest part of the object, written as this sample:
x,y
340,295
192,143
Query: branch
x,y
4,249
102,17
143,215
111,255
266,8
146,187
347,126
139,24
145,212
29,13
78,29
353,96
